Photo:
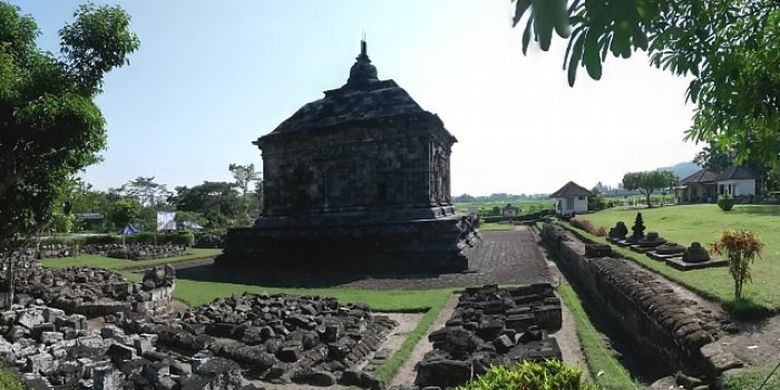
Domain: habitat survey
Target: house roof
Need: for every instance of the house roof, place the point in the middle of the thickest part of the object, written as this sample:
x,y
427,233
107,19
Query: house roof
x,y
570,189
736,173
701,176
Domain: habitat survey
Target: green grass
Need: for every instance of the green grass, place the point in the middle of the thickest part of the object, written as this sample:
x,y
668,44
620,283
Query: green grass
x,y
525,206
121,264
704,223
9,381
495,227
751,378
597,355
388,369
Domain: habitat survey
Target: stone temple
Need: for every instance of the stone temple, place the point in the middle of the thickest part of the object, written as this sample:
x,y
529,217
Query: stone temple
x,y
356,181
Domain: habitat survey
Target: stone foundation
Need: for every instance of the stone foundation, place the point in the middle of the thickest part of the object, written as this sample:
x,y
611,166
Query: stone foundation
x,y
392,242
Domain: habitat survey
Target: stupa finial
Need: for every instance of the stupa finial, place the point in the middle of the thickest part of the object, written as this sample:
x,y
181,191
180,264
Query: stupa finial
x,y
362,71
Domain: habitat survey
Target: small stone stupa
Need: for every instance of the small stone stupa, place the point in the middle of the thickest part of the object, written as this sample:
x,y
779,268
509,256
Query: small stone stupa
x,y
356,181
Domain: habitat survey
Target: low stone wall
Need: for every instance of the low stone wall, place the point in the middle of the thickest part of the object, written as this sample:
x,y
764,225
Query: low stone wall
x,y
664,329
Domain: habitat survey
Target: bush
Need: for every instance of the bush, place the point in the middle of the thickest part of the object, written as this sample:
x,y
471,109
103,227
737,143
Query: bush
x,y
183,238
587,226
741,247
726,203
62,241
530,375
104,239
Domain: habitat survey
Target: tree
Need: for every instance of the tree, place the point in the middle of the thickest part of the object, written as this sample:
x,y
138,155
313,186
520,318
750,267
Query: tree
x,y
714,159
256,203
219,202
50,126
596,200
189,217
741,247
124,212
648,182
149,193
728,48
245,175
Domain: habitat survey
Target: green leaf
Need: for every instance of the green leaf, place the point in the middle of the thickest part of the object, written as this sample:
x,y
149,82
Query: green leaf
x,y
527,36
520,8
591,54
574,59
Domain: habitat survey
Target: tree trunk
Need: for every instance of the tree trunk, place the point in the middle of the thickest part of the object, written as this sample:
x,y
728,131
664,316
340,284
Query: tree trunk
x,y
647,194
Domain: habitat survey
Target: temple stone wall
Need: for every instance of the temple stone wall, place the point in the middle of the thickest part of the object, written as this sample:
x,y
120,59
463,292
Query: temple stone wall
x,y
659,325
389,163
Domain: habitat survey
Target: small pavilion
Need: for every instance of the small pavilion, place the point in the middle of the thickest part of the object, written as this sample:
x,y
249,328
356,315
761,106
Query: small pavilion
x,y
570,199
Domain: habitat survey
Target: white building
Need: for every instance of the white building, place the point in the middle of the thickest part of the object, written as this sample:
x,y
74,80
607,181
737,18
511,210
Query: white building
x,y
572,198
737,182
706,186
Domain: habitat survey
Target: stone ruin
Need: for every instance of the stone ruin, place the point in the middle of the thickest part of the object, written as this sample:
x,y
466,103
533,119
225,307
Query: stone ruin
x,y
128,251
219,346
53,350
93,291
278,338
142,251
492,326
209,240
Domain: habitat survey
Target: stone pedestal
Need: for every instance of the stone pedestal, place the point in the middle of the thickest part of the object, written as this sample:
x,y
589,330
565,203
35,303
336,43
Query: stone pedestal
x,y
389,241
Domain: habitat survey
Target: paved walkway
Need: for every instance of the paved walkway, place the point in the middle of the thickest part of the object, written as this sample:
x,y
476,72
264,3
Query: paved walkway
x,y
511,257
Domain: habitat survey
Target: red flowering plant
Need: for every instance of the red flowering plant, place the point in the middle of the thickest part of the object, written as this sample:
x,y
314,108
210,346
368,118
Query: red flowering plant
x,y
741,247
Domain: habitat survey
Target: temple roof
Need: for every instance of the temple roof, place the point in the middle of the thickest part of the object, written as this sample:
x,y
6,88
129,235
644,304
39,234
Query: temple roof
x,y
364,97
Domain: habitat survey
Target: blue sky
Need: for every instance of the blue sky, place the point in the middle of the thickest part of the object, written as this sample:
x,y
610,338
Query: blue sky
x,y
210,77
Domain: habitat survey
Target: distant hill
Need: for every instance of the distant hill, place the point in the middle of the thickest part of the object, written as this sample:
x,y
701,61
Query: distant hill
x,y
681,170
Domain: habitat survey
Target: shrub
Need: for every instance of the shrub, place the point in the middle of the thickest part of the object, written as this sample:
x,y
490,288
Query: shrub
x,y
726,203
741,247
587,226
183,238
103,239
601,231
62,241
530,375
146,238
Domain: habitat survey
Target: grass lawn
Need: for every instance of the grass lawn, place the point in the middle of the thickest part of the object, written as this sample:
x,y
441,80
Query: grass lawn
x,y
8,381
705,223
495,227
606,371
525,206
120,264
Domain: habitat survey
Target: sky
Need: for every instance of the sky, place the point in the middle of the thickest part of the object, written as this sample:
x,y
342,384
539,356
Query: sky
x,y
210,77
